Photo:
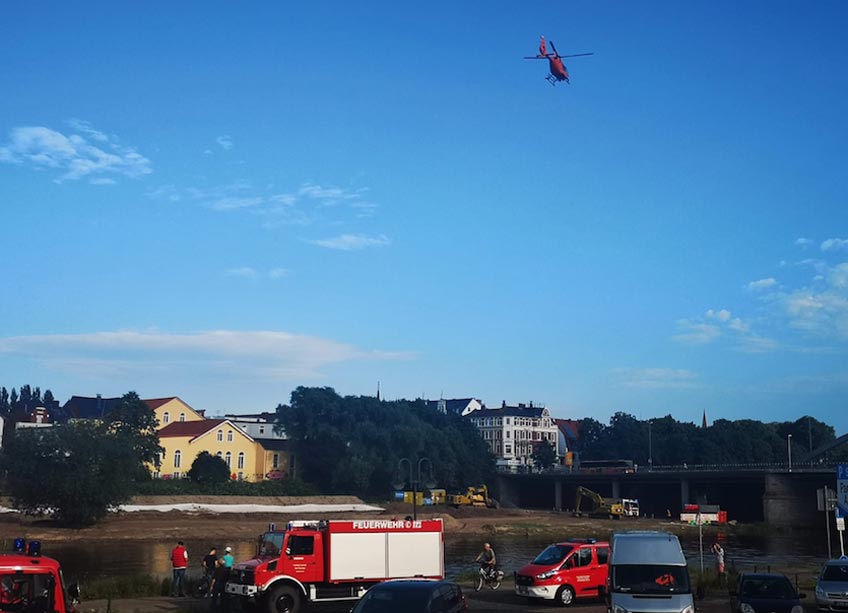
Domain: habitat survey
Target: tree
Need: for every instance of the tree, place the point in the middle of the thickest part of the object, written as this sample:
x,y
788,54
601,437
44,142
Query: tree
x,y
78,471
208,468
135,423
353,444
544,455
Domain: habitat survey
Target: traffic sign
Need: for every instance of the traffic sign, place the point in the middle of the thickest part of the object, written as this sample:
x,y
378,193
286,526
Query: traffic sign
x,y
841,490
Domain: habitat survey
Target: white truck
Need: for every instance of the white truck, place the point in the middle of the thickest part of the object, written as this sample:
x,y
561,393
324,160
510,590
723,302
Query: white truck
x,y
324,561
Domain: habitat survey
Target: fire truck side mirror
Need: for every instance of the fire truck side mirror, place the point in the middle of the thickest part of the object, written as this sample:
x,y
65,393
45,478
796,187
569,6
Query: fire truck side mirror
x,y
288,551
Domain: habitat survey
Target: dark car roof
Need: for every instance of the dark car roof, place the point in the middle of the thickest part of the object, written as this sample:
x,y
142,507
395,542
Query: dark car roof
x,y
763,576
411,584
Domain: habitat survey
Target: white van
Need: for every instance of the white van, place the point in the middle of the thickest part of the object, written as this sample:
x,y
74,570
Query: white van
x,y
648,574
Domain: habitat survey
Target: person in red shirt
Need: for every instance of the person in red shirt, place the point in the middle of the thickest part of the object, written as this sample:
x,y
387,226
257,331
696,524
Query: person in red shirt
x,y
179,561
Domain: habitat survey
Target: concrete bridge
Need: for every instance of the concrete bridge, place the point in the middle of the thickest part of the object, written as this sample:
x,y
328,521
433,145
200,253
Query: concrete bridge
x,y
776,494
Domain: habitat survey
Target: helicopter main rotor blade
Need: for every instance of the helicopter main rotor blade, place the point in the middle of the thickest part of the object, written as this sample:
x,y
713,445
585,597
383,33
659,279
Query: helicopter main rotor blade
x,y
535,57
577,55
553,46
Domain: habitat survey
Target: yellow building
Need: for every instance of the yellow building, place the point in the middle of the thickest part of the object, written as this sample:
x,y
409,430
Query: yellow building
x,y
170,410
184,440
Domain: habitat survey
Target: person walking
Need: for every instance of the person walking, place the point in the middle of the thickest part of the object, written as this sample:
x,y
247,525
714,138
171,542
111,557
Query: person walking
x,y
179,562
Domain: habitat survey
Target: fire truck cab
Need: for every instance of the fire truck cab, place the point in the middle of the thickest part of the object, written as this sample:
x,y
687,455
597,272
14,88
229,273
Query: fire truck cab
x,y
32,583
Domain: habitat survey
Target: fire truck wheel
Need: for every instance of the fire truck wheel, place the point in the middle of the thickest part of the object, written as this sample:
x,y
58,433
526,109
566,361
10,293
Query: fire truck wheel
x,y
565,596
284,599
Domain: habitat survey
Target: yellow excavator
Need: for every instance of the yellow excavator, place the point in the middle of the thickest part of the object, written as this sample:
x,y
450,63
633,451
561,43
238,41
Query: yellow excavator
x,y
473,496
610,508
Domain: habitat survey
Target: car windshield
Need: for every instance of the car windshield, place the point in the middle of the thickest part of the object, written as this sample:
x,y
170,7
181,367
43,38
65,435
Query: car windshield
x,y
835,572
554,554
650,579
773,588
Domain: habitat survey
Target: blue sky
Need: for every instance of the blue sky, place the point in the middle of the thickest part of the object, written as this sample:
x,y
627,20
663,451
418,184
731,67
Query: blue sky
x,y
222,202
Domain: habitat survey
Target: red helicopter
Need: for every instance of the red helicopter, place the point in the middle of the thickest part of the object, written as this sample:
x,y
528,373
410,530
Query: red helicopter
x,y
558,70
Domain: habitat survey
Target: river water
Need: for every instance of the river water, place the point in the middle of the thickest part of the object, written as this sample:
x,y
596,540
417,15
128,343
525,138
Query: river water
x,y
785,552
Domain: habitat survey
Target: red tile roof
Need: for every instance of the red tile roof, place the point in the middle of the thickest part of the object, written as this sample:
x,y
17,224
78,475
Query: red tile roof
x,y
190,428
155,403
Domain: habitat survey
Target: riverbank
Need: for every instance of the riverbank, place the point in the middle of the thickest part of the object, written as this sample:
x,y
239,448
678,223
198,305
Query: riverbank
x,y
195,517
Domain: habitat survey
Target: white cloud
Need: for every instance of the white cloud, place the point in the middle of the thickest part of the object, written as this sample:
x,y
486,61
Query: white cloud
x,y
757,344
696,333
42,147
103,181
245,272
655,378
277,356
229,204
351,242
225,141
723,315
803,242
834,244
279,273
762,284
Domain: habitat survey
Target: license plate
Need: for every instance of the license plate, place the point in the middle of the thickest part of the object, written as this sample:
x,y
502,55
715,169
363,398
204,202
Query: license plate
x,y
522,589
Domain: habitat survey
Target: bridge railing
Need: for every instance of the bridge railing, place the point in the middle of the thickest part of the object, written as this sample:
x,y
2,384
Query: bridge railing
x,y
676,468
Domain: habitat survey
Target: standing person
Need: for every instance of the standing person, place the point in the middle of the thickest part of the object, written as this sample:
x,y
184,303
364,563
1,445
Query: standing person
x,y
228,557
487,559
718,550
219,581
208,565
179,561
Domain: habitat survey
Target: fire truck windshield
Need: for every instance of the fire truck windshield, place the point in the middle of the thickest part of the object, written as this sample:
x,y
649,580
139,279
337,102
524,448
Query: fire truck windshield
x,y
272,543
26,592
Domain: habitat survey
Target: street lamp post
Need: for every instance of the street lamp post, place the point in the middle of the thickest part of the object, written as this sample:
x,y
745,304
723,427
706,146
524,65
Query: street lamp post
x,y
650,449
789,450
414,479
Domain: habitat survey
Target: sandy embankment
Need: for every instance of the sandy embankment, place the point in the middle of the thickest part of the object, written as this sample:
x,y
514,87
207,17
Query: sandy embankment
x,y
246,516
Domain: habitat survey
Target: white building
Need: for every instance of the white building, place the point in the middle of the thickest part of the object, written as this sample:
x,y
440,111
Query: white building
x,y
512,432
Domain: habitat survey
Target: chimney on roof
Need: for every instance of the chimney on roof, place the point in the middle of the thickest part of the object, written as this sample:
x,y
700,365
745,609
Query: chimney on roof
x,y
531,404
503,404
100,405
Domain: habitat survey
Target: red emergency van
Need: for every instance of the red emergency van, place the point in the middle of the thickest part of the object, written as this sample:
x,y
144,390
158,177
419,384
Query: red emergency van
x,y
565,571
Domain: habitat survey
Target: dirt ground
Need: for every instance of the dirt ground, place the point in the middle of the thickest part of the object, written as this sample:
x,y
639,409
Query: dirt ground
x,y
166,526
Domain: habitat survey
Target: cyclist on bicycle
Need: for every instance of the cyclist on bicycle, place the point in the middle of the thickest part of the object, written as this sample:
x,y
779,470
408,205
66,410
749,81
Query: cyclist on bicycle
x,y
487,559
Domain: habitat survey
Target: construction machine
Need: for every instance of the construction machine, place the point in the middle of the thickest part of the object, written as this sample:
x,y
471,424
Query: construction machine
x,y
610,508
474,496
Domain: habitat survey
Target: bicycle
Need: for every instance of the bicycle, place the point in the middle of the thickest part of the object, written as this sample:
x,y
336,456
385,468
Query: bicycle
x,y
492,580
202,588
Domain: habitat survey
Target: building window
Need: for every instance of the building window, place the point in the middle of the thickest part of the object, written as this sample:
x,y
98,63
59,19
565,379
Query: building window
x,y
241,459
507,421
229,436
507,448
219,455
261,429
177,474
275,460
178,458
182,416
508,433
156,474
229,459
220,435
166,417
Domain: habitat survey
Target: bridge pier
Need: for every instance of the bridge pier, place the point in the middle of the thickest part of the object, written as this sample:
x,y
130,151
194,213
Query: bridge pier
x,y
788,502
616,488
684,492
558,495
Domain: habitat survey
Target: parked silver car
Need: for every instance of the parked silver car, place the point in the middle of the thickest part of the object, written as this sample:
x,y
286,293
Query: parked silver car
x,y
832,586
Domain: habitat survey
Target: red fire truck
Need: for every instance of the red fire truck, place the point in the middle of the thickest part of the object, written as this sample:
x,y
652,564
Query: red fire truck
x,y
31,583
322,561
